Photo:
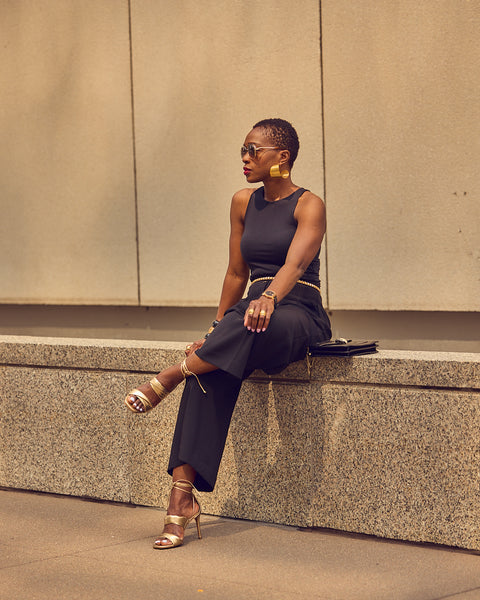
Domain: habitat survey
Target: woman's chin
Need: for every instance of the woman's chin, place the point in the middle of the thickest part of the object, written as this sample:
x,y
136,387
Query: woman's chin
x,y
251,178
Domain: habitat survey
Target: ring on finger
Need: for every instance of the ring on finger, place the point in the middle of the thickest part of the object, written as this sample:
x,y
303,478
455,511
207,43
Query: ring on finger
x,y
251,311
262,313
189,347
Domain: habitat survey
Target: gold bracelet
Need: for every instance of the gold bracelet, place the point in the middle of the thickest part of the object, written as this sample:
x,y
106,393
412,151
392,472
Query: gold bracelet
x,y
212,327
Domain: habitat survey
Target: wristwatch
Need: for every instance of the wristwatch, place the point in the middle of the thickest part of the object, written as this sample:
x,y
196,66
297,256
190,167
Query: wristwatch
x,y
212,327
272,295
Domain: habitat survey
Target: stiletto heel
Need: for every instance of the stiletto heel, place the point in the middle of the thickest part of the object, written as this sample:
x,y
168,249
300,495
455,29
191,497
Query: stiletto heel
x,y
199,533
187,487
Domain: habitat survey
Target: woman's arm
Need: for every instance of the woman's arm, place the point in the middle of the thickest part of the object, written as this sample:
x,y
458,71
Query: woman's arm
x,y
236,277
237,273
311,222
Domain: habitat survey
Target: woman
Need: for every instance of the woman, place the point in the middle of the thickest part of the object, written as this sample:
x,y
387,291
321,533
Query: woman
x,y
275,238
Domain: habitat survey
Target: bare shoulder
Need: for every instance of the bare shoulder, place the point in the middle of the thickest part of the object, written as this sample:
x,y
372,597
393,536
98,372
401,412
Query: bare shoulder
x,y
240,201
310,204
310,198
243,195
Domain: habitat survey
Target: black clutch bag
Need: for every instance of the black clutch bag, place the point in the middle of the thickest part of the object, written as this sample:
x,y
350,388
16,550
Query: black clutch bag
x,y
342,347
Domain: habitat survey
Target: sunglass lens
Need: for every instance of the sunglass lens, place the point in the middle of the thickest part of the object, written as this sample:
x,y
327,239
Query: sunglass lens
x,y
251,149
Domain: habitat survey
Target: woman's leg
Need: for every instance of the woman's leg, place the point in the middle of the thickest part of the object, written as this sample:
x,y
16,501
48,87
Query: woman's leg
x,y
169,378
199,439
202,426
180,504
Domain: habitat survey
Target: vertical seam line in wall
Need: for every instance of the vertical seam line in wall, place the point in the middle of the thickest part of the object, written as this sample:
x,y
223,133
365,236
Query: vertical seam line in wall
x,y
322,103
134,150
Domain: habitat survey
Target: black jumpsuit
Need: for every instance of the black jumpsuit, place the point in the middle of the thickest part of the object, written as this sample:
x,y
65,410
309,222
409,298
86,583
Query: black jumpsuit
x,y
298,321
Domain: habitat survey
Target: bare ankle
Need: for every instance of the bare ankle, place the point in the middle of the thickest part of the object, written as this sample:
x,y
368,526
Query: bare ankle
x,y
171,377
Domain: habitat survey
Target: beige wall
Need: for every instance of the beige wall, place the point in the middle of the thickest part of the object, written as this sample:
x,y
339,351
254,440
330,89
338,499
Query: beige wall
x,y
402,130
204,73
79,175
67,229
412,330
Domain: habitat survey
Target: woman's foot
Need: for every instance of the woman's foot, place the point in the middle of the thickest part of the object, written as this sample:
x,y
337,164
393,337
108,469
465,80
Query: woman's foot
x,y
182,509
144,398
147,396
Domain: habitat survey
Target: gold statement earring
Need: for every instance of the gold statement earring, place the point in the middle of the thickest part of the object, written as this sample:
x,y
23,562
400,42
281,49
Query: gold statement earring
x,y
275,172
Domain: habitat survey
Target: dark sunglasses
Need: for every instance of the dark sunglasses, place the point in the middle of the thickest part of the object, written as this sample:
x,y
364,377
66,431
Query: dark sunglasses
x,y
252,150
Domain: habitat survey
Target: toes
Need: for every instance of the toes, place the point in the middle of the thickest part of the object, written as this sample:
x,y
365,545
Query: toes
x,y
163,542
135,403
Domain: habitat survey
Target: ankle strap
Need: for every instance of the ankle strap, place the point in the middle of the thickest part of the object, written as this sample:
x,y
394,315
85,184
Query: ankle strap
x,y
181,484
185,372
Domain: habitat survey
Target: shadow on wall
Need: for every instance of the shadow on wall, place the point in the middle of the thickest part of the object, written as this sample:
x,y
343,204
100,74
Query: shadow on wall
x,y
289,473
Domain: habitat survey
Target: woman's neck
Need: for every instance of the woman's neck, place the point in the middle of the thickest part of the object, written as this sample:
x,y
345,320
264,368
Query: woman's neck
x,y
278,189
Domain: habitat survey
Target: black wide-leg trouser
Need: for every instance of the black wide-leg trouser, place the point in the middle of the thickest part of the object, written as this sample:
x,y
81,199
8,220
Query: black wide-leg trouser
x,y
204,419
202,426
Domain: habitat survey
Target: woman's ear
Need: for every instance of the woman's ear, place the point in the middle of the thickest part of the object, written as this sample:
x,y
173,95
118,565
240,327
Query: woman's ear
x,y
284,157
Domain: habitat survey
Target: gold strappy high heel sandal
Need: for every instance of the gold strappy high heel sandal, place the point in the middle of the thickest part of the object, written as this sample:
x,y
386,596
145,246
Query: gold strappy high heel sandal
x,y
187,487
147,405
159,389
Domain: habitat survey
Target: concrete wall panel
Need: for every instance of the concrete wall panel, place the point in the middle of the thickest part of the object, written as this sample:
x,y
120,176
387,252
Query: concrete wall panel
x,y
402,123
203,74
67,228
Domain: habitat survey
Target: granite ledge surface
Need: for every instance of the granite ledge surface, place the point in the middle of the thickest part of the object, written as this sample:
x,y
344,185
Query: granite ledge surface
x,y
404,368
87,353
387,367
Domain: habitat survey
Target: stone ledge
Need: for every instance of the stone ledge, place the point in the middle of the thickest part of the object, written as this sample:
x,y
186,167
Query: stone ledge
x,y
402,367
86,353
388,442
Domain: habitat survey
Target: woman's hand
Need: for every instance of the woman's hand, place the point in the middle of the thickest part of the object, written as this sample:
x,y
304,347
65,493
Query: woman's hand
x,y
258,314
190,349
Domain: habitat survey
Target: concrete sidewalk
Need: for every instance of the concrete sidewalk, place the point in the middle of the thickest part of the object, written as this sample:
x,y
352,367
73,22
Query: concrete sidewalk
x,y
60,547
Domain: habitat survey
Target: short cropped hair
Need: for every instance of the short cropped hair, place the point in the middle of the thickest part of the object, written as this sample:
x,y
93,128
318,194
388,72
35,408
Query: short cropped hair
x,y
282,134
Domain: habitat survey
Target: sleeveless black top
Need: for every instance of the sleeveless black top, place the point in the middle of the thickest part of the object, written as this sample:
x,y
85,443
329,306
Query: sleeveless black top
x,y
268,233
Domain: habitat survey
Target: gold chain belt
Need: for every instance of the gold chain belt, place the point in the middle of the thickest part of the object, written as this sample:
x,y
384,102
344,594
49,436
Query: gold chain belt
x,y
299,281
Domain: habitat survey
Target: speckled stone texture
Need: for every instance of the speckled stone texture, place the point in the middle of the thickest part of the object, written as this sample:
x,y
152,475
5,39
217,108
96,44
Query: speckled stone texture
x,y
384,444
